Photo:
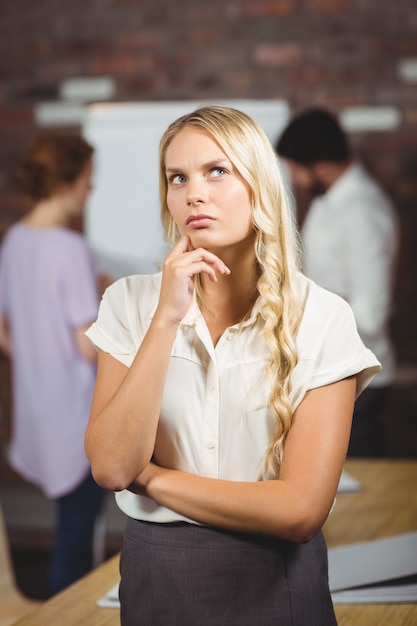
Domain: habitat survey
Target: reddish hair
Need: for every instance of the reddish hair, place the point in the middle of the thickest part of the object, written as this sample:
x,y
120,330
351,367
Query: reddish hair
x,y
54,159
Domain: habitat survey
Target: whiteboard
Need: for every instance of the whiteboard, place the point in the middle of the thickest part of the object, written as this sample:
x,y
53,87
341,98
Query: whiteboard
x,y
123,222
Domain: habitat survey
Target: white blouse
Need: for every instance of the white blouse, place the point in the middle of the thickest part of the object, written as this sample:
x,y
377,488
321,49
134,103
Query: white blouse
x,y
214,419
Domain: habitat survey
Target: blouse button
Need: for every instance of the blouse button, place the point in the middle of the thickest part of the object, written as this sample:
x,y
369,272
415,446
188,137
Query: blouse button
x,y
210,445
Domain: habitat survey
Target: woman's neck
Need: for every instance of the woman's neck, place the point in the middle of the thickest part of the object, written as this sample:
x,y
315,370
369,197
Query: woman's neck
x,y
47,214
229,300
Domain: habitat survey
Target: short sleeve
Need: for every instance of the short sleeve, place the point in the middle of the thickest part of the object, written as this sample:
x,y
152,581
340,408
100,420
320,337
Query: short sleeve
x,y
124,315
341,352
329,346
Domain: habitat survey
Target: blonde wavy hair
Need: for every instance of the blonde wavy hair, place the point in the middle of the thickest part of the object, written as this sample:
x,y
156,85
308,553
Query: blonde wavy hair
x,y
277,247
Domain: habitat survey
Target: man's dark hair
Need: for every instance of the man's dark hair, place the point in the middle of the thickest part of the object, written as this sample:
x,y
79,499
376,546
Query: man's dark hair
x,y
314,136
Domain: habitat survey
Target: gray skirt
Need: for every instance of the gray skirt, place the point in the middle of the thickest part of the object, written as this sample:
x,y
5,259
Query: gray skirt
x,y
188,575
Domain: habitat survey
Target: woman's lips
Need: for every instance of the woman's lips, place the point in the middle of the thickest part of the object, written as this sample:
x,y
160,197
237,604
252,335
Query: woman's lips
x,y
199,221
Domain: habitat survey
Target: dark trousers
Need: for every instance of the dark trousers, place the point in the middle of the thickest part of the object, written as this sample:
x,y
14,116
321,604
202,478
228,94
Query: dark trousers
x,y
72,552
366,438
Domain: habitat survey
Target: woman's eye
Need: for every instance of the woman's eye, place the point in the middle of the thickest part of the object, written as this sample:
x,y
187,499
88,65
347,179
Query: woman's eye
x,y
218,171
177,179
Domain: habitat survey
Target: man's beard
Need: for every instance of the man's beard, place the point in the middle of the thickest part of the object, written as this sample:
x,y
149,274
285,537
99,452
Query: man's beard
x,y
317,189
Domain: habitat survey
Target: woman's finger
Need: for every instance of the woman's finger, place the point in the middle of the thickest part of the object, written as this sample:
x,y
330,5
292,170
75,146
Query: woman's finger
x,y
185,253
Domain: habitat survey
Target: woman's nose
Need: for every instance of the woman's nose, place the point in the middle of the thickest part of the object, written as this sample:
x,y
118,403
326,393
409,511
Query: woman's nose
x,y
196,193
194,201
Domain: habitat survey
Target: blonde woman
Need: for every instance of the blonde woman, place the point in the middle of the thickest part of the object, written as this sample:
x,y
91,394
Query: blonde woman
x,y
224,396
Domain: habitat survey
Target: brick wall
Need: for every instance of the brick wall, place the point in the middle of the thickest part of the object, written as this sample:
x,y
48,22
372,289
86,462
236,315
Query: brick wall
x,y
338,53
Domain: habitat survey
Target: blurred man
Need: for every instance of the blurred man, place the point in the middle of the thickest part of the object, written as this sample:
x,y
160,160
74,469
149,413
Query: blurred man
x,y
350,241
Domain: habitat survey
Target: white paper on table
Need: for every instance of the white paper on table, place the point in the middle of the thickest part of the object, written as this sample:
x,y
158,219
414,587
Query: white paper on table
x,y
348,484
401,591
110,598
355,569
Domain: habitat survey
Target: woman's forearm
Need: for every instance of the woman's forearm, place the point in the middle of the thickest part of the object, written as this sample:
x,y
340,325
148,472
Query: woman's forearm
x,y
280,508
126,406
120,438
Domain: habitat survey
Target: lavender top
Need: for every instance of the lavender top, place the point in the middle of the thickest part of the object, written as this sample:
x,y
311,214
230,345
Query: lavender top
x,y
48,288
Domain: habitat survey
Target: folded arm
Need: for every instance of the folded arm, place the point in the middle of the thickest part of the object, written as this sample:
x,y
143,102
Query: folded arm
x,y
293,507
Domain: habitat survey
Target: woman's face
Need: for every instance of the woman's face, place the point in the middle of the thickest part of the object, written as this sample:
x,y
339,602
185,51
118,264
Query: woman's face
x,y
78,192
207,198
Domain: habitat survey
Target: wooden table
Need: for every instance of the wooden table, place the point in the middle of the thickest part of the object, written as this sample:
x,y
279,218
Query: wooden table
x,y
77,605
387,505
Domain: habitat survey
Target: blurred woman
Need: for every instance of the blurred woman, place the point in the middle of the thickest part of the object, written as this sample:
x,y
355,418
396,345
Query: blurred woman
x,y
48,297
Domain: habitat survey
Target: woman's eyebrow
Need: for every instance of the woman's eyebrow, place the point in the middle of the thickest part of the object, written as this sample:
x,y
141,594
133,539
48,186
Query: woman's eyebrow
x,y
217,162
173,170
208,165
